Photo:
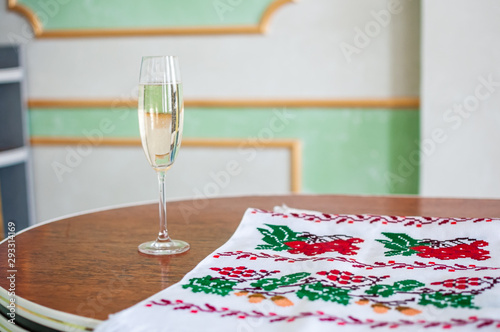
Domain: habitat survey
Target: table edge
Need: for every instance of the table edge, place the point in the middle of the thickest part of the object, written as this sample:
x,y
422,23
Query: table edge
x,y
186,199
40,315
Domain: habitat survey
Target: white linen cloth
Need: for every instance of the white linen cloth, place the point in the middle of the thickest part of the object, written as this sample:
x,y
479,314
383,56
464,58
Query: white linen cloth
x,y
296,270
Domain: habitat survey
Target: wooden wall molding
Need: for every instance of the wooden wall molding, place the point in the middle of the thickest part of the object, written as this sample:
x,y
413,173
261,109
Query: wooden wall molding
x,y
40,32
28,13
292,145
390,103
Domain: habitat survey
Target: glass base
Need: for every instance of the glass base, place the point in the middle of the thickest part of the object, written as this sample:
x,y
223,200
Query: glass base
x,y
164,248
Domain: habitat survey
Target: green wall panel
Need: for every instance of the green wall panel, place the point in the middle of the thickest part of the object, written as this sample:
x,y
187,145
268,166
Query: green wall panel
x,y
352,151
78,122
77,14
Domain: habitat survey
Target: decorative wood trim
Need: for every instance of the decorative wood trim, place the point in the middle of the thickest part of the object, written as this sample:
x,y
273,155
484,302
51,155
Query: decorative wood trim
x,y
29,14
39,31
108,141
292,145
266,17
82,103
296,167
390,103
397,102
234,29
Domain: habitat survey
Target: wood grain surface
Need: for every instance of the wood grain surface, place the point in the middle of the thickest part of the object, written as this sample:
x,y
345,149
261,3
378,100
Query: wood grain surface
x,y
89,264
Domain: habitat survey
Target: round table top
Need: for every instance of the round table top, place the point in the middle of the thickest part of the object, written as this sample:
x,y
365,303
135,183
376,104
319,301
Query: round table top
x,y
89,265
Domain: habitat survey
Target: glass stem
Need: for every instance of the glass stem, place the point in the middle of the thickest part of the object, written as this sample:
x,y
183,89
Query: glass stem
x,y
163,234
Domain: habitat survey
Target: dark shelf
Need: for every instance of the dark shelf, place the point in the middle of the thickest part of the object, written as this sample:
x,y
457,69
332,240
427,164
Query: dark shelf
x,y
11,117
13,187
15,163
9,56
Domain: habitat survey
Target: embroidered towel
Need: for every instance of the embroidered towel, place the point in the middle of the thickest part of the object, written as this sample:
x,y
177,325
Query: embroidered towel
x,y
293,270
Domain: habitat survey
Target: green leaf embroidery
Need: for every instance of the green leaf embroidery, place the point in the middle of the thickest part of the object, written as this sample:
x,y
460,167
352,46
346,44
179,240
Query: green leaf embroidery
x,y
382,290
326,293
448,300
398,287
210,285
293,278
407,285
265,247
400,244
269,284
277,237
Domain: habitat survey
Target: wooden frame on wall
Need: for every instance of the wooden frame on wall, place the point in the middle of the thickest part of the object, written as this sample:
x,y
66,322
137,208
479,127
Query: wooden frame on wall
x,y
293,145
389,103
40,32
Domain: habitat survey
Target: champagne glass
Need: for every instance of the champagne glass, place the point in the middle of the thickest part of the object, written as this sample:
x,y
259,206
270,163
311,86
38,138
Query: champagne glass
x,y
161,112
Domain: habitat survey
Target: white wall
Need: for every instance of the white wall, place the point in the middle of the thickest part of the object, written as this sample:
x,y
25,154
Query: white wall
x,y
314,49
115,175
460,115
300,56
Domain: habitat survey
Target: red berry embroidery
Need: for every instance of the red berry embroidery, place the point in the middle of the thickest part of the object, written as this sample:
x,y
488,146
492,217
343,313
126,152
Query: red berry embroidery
x,y
471,250
235,272
403,244
344,247
342,277
241,272
279,237
459,283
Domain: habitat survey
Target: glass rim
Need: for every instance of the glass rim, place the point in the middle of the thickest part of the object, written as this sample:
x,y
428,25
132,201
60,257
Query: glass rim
x,y
157,69
159,56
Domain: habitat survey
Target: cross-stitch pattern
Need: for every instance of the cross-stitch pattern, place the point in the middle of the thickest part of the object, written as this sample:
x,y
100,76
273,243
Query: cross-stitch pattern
x,y
279,238
312,271
341,287
403,244
349,321
345,288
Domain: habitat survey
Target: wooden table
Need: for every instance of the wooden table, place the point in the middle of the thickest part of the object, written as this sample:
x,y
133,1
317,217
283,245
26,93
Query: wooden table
x,y
88,265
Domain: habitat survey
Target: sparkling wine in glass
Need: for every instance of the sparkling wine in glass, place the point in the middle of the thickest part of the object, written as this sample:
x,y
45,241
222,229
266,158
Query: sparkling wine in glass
x,y
161,112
